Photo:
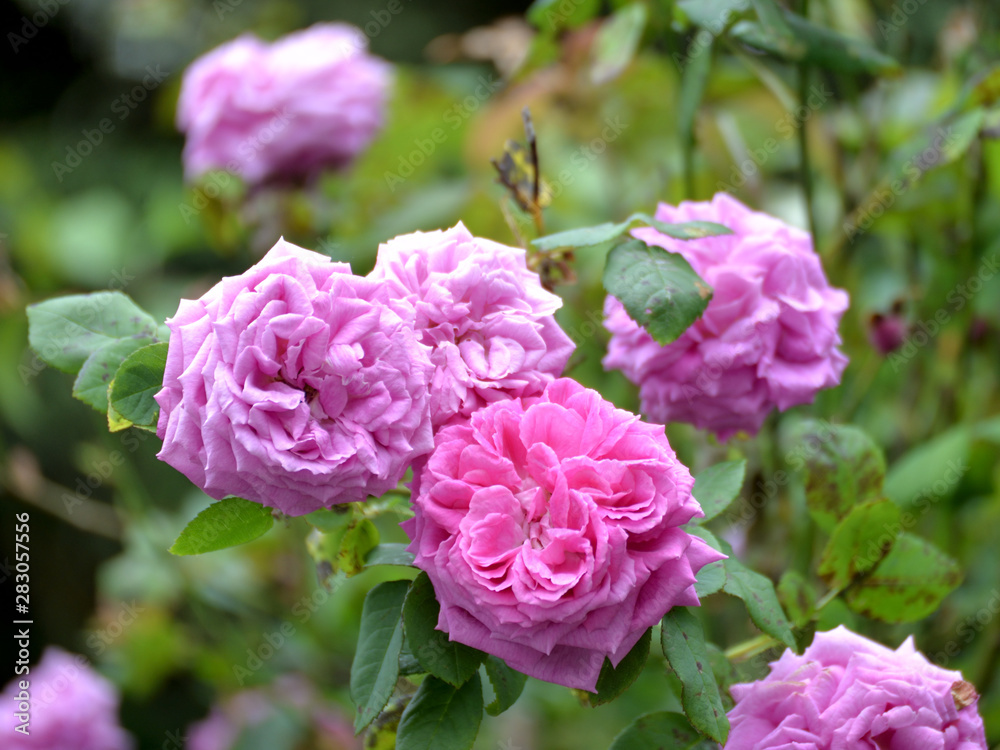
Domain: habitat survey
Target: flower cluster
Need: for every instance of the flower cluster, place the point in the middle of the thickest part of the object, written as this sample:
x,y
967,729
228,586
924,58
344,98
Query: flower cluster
x,y
551,530
299,385
66,705
846,692
768,338
312,100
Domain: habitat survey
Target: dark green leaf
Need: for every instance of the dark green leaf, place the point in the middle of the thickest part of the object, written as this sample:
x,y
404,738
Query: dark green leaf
x,y
662,730
99,370
780,35
507,685
909,584
717,486
843,468
389,553
65,331
448,660
376,662
614,681
601,233
659,289
552,15
617,42
683,642
441,717
860,541
137,381
797,597
758,594
224,523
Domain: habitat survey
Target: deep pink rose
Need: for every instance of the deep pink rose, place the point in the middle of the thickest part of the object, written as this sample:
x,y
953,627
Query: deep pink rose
x,y
849,693
550,528
293,385
72,707
768,338
311,100
486,318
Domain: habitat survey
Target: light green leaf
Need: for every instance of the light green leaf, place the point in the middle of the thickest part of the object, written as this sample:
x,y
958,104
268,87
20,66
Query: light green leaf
x,y
65,331
683,642
376,661
507,685
860,541
137,381
601,233
617,42
441,717
662,730
908,585
389,553
445,659
797,597
717,486
224,523
760,598
98,372
931,471
659,289
552,15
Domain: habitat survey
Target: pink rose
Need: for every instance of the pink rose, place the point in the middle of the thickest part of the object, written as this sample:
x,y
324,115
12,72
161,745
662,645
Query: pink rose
x,y
550,528
293,385
71,707
486,318
768,338
849,693
311,100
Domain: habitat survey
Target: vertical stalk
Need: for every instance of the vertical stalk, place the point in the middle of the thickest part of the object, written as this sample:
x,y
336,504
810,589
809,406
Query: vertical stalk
x,y
805,167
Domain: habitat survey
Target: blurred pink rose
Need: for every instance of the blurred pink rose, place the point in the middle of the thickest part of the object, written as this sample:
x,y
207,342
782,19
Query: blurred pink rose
x,y
768,338
72,707
849,693
484,315
311,100
550,528
294,386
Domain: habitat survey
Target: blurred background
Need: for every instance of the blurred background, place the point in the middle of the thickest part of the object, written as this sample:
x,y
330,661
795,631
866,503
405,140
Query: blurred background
x,y
902,166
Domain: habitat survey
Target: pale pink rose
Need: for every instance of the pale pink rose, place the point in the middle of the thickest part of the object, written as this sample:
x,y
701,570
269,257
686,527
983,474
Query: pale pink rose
x,y
849,693
312,100
486,318
551,530
293,385
767,340
72,707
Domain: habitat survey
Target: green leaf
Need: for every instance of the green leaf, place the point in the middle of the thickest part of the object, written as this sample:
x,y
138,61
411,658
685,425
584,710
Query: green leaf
x,y
662,730
376,662
137,381
390,553
797,597
617,42
760,598
659,290
717,486
908,585
445,659
694,80
780,35
860,541
360,538
552,15
683,642
931,471
98,371
843,468
613,681
224,523
818,46
328,520
601,233
441,717
713,15
65,331
507,685
710,579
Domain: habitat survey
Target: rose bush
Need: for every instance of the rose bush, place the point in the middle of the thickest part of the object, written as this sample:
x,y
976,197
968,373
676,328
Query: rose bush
x,y
846,692
293,385
486,318
312,100
767,340
550,528
71,706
